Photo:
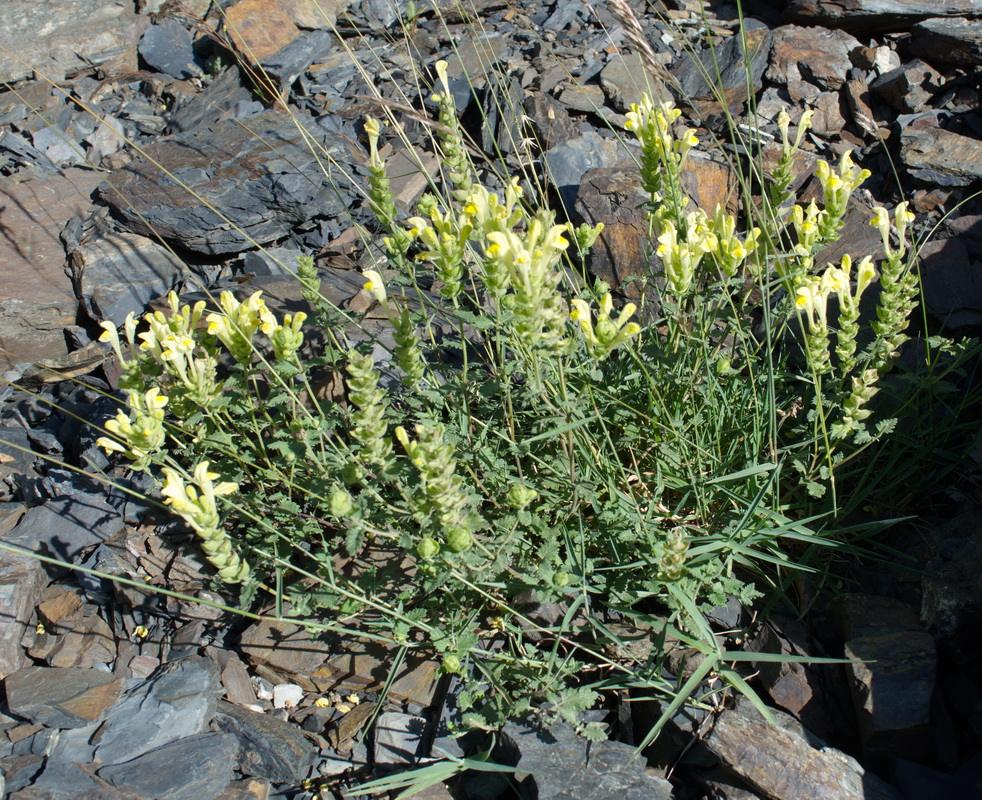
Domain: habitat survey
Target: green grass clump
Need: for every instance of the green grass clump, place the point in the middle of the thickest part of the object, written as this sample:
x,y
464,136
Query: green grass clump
x,y
530,478
502,496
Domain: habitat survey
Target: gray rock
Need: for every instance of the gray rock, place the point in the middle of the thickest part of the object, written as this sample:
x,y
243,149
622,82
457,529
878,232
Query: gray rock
x,y
64,527
191,768
231,187
119,273
167,47
58,146
177,701
779,761
77,35
948,41
269,747
909,88
817,55
875,16
940,157
564,766
625,79
550,121
225,97
17,454
276,261
892,672
952,284
292,61
22,581
566,163
398,738
61,698
725,66
37,301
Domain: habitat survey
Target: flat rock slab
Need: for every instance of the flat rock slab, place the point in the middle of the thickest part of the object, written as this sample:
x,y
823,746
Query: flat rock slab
x,y
36,296
22,581
119,273
565,766
269,747
60,37
869,16
177,701
949,41
817,55
779,762
192,768
234,185
61,698
941,157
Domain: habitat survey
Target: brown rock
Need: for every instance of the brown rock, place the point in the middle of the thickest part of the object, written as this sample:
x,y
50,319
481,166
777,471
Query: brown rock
x,y
614,196
22,579
941,157
367,667
246,789
779,762
36,296
948,41
550,120
260,28
910,87
238,686
818,55
875,16
82,639
314,13
283,646
827,120
410,174
59,42
61,698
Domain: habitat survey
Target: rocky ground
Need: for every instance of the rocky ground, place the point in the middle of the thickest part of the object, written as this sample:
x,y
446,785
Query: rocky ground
x,y
114,691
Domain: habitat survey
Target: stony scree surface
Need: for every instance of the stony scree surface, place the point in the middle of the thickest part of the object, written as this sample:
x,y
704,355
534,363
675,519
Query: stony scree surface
x,y
154,145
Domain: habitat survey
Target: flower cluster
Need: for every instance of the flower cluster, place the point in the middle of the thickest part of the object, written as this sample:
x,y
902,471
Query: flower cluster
x,y
197,504
607,335
837,188
370,428
455,157
445,236
662,153
531,261
898,297
783,175
407,351
141,434
239,322
681,251
441,492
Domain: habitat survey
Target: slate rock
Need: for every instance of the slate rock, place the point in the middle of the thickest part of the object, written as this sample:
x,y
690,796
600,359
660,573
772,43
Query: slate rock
x,y
61,39
566,163
614,196
116,274
59,146
290,62
781,763
284,646
624,79
22,580
269,747
940,157
61,698
227,96
817,55
551,122
565,766
259,28
37,300
167,47
875,16
64,527
398,738
17,456
254,182
952,284
948,41
724,66
204,768
175,702
908,88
